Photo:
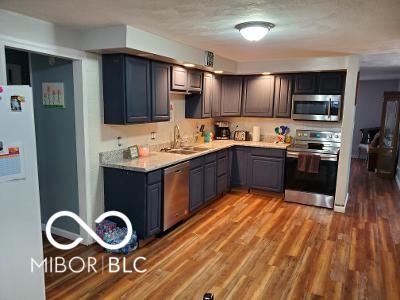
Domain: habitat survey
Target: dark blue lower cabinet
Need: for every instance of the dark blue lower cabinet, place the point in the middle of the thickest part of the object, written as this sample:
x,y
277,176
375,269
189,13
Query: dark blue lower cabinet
x,y
266,173
239,166
196,186
210,181
154,199
222,184
138,195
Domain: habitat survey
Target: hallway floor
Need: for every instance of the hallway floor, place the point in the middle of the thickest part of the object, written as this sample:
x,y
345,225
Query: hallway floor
x,y
250,246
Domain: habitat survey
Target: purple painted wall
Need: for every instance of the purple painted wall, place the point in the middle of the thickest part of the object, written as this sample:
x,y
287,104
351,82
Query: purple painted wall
x,y
369,106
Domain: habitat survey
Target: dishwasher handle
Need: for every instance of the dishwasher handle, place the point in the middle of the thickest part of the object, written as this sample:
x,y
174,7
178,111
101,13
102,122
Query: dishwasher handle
x,y
177,168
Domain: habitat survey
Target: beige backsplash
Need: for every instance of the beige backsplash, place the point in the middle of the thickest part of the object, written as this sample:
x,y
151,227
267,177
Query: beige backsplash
x,y
140,133
268,125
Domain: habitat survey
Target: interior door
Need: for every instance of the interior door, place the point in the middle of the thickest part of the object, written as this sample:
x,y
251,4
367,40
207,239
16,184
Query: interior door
x,y
389,135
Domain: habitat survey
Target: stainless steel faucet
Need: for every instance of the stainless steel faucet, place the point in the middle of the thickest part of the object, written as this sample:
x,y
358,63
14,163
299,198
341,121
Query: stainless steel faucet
x,y
177,137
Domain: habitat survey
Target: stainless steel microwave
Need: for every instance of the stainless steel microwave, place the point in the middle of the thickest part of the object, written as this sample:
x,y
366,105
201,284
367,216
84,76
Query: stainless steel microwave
x,y
317,107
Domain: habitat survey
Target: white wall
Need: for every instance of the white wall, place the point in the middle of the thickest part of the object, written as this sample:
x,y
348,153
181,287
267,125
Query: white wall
x,y
342,183
124,36
293,65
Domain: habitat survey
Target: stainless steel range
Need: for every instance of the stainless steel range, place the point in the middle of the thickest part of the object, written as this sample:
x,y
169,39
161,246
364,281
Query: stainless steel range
x,y
316,187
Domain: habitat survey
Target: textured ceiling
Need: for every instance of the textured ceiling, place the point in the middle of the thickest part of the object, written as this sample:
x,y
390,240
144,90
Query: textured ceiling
x,y
304,28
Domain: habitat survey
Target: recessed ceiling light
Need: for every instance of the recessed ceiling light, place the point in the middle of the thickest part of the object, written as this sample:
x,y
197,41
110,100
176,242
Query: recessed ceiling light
x,y
189,65
266,73
218,71
254,31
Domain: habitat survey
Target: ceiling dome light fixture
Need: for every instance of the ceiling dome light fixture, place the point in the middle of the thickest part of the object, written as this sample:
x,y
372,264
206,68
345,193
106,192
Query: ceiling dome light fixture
x,y
254,31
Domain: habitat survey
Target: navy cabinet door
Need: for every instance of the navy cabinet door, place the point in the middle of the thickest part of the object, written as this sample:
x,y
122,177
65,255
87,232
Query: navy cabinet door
x,y
178,79
207,95
137,86
331,83
222,184
210,181
113,67
305,83
258,96
283,96
216,97
196,187
231,96
160,92
154,198
266,173
239,167
195,79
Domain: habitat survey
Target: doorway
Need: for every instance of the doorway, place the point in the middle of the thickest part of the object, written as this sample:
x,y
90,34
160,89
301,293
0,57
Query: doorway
x,y
51,77
373,83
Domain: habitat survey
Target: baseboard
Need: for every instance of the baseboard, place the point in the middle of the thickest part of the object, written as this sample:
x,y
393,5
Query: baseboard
x,y
62,232
341,208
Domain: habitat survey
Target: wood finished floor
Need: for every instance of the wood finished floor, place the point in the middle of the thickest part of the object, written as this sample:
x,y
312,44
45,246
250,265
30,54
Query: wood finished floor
x,y
247,246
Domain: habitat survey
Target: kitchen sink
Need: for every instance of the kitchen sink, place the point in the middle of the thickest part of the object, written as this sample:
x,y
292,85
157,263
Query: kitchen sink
x,y
186,150
196,148
181,151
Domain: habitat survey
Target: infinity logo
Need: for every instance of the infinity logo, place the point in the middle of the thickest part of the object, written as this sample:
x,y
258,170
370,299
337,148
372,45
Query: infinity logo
x,y
88,230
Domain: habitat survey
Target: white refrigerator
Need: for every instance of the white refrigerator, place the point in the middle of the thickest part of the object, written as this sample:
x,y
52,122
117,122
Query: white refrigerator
x,y
20,222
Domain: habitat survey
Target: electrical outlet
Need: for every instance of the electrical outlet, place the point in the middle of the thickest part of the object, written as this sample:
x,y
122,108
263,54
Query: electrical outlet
x,y
153,135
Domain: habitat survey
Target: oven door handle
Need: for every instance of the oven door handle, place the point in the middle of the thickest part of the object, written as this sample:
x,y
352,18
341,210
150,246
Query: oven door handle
x,y
326,157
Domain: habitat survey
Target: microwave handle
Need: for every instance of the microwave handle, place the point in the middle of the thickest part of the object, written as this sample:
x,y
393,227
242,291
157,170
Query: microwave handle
x,y
329,107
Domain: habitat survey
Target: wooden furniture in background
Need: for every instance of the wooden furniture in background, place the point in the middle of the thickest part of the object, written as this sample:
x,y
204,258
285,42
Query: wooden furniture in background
x,y
389,135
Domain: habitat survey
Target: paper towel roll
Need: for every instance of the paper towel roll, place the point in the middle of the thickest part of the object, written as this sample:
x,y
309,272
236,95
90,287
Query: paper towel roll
x,y
256,133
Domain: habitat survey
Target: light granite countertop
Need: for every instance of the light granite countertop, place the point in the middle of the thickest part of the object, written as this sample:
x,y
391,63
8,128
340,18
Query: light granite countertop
x,y
158,160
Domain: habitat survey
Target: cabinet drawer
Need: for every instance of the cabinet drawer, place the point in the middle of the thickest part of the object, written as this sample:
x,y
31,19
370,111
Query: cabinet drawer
x,y
280,153
196,162
222,154
154,177
210,158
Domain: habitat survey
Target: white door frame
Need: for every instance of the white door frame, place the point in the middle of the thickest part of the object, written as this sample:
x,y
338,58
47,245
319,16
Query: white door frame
x,y
82,160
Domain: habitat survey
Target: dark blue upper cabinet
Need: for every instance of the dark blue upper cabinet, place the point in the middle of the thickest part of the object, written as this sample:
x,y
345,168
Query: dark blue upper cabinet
x,y
283,96
199,106
231,96
216,97
126,89
331,83
179,79
258,96
328,83
305,83
195,81
160,80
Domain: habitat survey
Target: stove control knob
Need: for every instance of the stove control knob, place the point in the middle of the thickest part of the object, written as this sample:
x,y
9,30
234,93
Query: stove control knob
x,y
336,136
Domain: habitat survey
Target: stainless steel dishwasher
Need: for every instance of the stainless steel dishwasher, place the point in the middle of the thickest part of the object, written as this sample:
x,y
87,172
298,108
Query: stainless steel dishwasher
x,y
176,194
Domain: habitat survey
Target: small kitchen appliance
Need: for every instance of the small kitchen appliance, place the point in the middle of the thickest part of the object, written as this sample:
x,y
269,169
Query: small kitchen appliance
x,y
316,185
241,135
222,131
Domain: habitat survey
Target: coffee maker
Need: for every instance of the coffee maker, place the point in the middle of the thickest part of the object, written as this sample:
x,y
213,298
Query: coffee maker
x,y
222,131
